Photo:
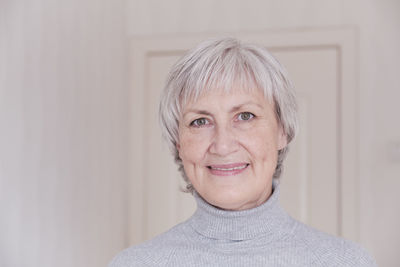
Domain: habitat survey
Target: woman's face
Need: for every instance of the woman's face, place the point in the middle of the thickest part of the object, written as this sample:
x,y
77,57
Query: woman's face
x,y
229,143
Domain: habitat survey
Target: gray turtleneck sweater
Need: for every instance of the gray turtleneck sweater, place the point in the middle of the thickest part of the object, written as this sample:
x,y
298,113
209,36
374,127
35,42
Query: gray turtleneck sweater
x,y
263,236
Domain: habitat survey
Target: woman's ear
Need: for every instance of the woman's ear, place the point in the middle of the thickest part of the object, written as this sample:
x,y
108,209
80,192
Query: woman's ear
x,y
282,139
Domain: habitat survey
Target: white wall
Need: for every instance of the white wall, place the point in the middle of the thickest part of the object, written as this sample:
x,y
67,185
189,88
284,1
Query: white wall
x,y
63,132
378,24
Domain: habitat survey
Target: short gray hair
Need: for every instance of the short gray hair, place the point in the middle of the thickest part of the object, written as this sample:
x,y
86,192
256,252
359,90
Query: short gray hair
x,y
226,63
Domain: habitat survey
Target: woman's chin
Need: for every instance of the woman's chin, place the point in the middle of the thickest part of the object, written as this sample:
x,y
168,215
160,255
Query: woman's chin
x,y
229,199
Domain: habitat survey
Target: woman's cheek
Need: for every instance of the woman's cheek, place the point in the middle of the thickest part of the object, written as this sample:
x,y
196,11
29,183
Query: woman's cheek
x,y
252,136
193,146
259,143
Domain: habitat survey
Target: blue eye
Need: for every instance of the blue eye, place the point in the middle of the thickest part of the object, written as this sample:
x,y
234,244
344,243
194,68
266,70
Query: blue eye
x,y
199,122
245,116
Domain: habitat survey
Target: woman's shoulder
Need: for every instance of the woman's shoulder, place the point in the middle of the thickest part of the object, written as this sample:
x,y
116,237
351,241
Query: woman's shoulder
x,y
330,250
154,252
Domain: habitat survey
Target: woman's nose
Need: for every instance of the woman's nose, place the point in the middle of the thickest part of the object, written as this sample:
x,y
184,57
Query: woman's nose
x,y
224,141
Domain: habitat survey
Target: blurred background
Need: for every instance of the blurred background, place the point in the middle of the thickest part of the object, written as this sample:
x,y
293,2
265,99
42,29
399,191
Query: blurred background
x,y
66,128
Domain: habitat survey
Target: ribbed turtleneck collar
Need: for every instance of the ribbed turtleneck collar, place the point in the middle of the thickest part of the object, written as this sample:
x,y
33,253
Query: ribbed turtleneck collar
x,y
266,219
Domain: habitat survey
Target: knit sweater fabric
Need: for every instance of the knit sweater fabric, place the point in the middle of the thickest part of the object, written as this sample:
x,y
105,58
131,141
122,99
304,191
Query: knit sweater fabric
x,y
262,236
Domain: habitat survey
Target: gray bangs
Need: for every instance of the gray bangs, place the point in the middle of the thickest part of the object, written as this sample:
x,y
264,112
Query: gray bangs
x,y
228,66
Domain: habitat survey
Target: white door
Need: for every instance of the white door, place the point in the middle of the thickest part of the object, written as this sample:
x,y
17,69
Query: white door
x,y
319,172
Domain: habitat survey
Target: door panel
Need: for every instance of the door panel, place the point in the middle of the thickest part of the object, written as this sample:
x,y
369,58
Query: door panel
x,y
311,185
310,181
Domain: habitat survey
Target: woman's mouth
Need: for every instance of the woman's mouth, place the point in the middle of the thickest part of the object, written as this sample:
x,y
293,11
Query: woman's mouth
x,y
228,169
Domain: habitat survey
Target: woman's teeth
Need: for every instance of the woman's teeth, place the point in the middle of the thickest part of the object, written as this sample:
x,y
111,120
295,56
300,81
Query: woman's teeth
x,y
229,169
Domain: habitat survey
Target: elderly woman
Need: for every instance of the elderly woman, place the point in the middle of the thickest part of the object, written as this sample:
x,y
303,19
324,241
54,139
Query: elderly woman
x,y
229,113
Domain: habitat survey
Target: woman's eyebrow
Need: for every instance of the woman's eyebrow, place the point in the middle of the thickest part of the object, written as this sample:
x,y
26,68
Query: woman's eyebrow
x,y
238,107
233,109
197,111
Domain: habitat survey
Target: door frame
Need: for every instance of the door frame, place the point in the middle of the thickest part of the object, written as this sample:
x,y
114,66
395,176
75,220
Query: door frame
x,y
343,39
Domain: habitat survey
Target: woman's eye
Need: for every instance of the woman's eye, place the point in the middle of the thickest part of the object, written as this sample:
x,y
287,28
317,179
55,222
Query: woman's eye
x,y
245,116
199,122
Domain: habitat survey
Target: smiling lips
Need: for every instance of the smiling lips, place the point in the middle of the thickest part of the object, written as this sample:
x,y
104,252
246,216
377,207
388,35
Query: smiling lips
x,y
228,169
